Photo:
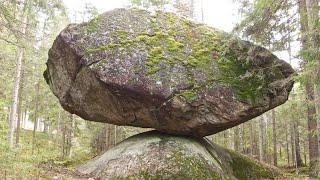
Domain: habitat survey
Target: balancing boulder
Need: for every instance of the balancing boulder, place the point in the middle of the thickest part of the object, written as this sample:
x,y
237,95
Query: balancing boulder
x,y
157,70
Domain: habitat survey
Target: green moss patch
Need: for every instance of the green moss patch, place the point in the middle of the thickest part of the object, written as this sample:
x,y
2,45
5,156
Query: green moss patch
x,y
245,168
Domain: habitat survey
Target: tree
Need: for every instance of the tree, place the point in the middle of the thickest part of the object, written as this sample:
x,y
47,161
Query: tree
x,y
261,138
15,98
309,14
274,136
236,135
297,155
20,20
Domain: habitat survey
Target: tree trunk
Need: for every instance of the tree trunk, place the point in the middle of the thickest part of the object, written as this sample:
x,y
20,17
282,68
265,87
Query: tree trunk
x,y
299,162
236,142
202,12
46,126
15,98
225,138
251,140
71,134
317,97
20,112
313,9
308,14
67,136
274,135
242,139
63,142
305,152
261,138
35,125
292,146
287,147
313,130
191,8
58,127
266,144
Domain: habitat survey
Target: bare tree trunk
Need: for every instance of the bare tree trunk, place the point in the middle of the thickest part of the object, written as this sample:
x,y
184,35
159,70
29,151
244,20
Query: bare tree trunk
x,y
313,129
251,139
236,142
309,13
317,98
242,139
67,136
35,125
20,113
46,125
202,12
299,162
274,135
292,146
191,8
261,138
58,127
71,134
225,138
15,98
287,147
305,152
64,135
280,151
266,139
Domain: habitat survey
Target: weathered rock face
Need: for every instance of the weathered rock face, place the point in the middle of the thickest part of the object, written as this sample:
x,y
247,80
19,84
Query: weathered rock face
x,y
152,155
130,67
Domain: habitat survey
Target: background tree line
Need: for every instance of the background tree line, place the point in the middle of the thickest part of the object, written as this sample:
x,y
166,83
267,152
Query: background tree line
x,y
287,136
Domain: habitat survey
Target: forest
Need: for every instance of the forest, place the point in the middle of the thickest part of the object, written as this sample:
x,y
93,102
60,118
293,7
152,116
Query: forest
x,y
41,139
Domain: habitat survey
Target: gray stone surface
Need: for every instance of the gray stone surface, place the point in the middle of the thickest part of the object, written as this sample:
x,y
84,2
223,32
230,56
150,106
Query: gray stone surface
x,y
157,70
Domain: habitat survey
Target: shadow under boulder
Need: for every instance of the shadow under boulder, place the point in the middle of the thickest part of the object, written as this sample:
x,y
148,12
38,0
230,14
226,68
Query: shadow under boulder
x,y
153,155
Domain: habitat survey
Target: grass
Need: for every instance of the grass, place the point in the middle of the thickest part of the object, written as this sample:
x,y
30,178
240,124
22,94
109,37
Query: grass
x,y
44,163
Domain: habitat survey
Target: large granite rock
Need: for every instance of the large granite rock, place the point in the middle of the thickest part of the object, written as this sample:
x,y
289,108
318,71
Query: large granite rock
x,y
153,155
132,67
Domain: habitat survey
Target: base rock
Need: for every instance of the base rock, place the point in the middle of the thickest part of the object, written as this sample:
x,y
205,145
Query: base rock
x,y
153,155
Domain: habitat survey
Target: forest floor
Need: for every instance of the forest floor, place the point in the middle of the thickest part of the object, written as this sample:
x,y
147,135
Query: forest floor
x,y
43,163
